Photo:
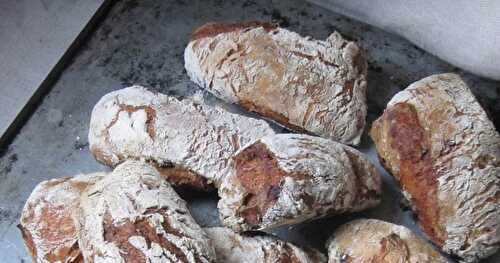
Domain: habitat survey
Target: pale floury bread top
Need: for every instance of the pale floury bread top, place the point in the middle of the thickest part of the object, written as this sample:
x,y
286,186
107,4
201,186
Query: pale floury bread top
x,y
438,142
306,85
188,140
285,179
371,240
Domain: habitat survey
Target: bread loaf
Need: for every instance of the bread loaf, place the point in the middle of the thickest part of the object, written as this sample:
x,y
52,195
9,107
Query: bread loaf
x,y
370,240
290,178
190,142
133,215
231,247
306,85
47,225
438,142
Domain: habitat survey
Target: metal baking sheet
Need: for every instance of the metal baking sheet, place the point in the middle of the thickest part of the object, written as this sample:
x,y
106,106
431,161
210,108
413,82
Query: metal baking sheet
x,y
35,35
142,42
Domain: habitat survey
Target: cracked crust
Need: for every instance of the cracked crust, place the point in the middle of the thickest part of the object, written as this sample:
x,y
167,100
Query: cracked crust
x,y
306,85
438,142
231,247
370,240
290,178
133,215
188,141
46,223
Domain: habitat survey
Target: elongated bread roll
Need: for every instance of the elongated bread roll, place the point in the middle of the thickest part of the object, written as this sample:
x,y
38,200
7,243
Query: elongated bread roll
x,y
306,85
291,178
190,142
47,226
370,240
231,247
438,142
133,215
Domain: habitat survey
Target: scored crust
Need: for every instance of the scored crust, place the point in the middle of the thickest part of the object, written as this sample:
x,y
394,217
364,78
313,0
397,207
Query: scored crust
x,y
231,247
188,141
290,178
370,240
438,142
46,223
133,215
306,85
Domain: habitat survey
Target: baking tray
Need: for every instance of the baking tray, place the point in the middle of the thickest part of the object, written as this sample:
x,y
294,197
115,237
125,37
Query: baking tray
x,y
142,42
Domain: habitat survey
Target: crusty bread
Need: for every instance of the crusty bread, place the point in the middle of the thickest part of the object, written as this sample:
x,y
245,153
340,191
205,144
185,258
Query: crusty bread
x,y
133,215
231,247
47,225
370,240
290,178
189,141
437,141
306,85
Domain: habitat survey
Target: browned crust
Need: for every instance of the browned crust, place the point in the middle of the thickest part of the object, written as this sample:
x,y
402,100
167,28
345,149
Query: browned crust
x,y
272,115
28,240
258,172
407,139
214,28
120,236
182,177
150,118
363,193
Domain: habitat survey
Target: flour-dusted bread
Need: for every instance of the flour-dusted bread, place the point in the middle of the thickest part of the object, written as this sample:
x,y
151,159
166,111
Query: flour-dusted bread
x,y
189,141
371,240
231,247
134,215
47,224
437,141
291,178
306,85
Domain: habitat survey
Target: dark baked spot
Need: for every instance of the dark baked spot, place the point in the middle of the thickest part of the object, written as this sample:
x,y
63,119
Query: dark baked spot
x,y
215,28
120,234
28,240
69,254
270,114
183,177
416,173
288,255
363,192
258,172
392,248
59,224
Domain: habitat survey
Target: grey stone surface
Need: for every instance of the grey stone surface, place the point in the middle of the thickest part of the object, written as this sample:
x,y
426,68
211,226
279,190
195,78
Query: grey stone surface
x,y
142,43
34,35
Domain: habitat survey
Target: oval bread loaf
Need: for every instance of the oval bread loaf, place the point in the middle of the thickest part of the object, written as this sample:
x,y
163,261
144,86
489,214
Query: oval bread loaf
x,y
306,85
231,247
438,142
370,240
47,225
290,178
189,142
133,215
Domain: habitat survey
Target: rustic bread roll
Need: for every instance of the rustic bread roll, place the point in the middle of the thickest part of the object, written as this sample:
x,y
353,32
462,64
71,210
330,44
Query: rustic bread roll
x,y
291,178
231,247
190,142
437,141
47,225
370,240
133,215
306,85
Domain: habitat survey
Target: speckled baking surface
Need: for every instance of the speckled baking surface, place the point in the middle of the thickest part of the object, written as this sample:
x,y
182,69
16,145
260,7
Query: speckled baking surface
x,y
142,42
